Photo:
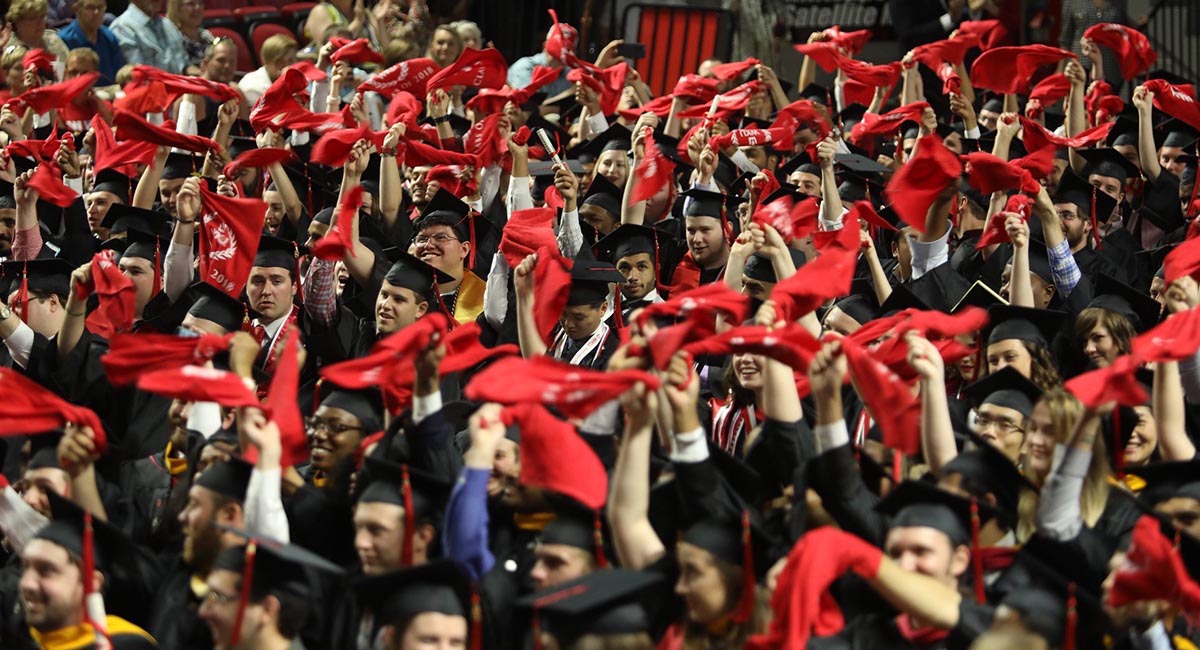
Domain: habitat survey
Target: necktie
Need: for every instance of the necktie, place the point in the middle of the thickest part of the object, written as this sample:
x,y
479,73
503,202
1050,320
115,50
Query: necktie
x,y
260,333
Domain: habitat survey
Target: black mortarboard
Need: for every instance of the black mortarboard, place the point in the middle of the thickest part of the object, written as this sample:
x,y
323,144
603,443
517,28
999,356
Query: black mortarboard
x,y
979,295
429,492
1124,132
179,165
366,405
278,253
993,104
727,172
51,274
590,279
1023,324
1167,480
1076,190
628,239
603,194
722,536
705,203
411,273
217,306
1140,309
862,307
277,567
816,93
849,116
239,145
1108,162
801,162
1039,261
920,504
614,138
446,207
759,267
602,603
441,586
112,549
901,298
1174,133
109,180
145,245
121,217
1007,388
987,468
228,478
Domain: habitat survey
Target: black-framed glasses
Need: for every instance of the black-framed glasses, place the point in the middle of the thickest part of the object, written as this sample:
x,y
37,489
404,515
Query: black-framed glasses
x,y
1003,426
440,238
331,427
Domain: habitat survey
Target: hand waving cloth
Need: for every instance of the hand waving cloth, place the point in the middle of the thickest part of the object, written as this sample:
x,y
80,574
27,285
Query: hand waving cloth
x,y
29,408
573,391
131,355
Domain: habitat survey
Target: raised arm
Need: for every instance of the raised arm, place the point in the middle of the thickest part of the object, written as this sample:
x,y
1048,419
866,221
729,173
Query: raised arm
x,y
1169,415
1020,287
937,433
147,187
637,545
528,336
77,455
1077,121
465,534
360,262
76,311
1143,99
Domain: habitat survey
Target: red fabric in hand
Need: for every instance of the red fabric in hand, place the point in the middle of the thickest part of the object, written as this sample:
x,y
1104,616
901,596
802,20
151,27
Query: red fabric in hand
x,y
1133,50
887,124
117,294
356,52
230,229
803,606
572,390
134,127
1010,70
1175,101
45,98
199,384
989,174
129,355
1174,339
1154,570
407,76
1036,136
653,173
525,233
1116,382
921,180
474,68
339,239
29,408
545,442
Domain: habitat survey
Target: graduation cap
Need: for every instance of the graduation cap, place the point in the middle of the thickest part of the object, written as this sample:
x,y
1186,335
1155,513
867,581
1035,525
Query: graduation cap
x,y
614,138
1138,308
727,172
229,478
1006,388
269,567
921,504
988,469
706,203
577,526
1175,134
801,162
239,145
410,272
994,104
901,298
145,245
1039,261
979,295
446,209
1092,204
121,217
1027,324
1108,162
590,279
849,116
179,165
817,94
421,494
603,194
627,240
759,267
1169,480
49,275
366,405
212,304
602,603
109,180
274,252
441,586
111,549
726,539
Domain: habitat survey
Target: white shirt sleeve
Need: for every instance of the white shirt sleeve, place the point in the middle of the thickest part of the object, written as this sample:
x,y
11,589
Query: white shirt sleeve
x,y
495,294
569,236
690,447
177,269
743,163
18,520
204,418
20,344
597,124
834,225
264,505
972,134
489,185
426,406
519,196
929,255
185,121
831,436
1058,513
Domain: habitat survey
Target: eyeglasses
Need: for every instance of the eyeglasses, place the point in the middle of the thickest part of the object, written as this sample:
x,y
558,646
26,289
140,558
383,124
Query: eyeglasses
x,y
331,427
1066,215
216,597
1003,426
440,238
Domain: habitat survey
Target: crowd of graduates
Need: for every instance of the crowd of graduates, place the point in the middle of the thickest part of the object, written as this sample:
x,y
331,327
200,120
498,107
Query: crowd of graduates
x,y
446,352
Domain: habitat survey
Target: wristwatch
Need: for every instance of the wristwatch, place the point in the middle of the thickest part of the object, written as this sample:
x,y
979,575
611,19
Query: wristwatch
x,y
5,312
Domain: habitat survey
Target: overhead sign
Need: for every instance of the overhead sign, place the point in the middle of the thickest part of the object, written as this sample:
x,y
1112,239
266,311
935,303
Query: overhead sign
x,y
803,17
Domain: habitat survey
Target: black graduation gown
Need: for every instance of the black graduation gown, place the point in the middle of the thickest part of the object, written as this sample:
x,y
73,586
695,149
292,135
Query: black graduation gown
x,y
836,478
312,362
175,619
1093,263
879,632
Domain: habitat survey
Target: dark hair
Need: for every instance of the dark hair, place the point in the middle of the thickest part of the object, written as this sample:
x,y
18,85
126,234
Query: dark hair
x,y
293,612
1118,327
450,220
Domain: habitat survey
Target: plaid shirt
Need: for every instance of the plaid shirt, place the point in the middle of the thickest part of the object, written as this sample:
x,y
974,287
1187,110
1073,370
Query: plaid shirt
x,y
1064,268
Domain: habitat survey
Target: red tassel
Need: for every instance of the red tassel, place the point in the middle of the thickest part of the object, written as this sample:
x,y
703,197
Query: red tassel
x,y
1195,192
476,620
317,394
1095,224
471,235
745,606
537,629
94,615
618,319
244,596
406,550
157,267
23,294
598,539
1072,619
897,466
976,553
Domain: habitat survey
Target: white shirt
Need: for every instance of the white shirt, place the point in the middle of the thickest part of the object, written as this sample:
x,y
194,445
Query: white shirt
x,y
254,84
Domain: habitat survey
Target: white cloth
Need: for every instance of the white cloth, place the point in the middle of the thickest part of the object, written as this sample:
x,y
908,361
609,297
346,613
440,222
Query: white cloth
x,y
18,520
204,418
425,406
20,344
569,235
519,196
690,447
927,256
177,269
495,293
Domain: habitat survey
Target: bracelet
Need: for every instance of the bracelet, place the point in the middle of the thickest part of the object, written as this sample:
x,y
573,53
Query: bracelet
x,y
442,120
387,154
186,223
77,315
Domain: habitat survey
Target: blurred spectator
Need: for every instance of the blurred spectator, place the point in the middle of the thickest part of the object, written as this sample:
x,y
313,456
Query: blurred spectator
x,y
446,46
349,14
148,38
469,32
12,63
924,21
1077,16
28,18
188,16
88,30
520,73
278,52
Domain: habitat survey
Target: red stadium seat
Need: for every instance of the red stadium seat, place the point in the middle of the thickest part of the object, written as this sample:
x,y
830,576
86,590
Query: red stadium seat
x,y
256,13
677,40
219,18
260,32
246,56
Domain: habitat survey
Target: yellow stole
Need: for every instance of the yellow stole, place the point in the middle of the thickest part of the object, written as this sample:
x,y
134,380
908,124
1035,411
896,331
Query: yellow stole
x,y
82,636
469,305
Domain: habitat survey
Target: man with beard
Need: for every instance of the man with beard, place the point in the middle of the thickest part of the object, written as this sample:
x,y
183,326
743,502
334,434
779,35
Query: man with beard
x,y
27,327
8,225
216,497
1068,230
635,251
52,585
